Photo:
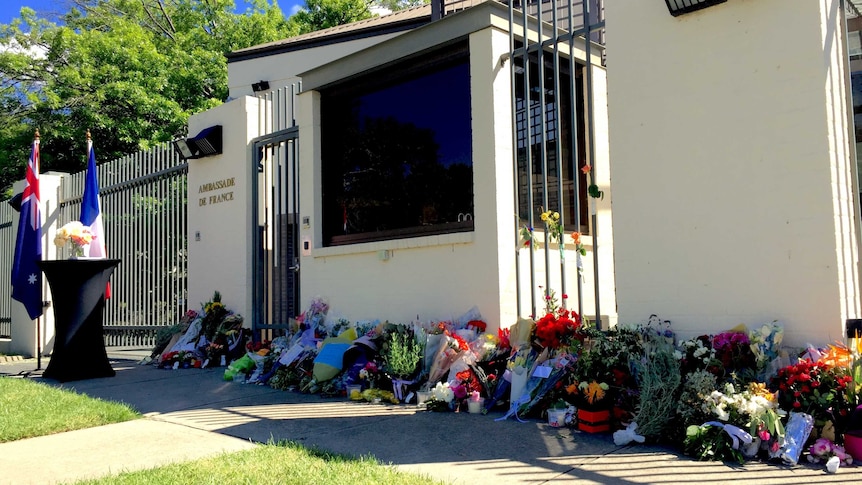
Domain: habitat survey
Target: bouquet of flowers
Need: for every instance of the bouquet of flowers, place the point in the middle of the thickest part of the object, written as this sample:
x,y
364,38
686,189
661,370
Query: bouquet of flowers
x,y
814,388
313,318
77,234
733,350
214,314
562,367
442,397
179,359
755,409
448,353
698,354
823,449
766,345
557,329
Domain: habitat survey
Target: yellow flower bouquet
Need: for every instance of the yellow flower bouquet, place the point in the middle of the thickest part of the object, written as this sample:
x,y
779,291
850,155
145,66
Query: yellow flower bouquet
x,y
75,233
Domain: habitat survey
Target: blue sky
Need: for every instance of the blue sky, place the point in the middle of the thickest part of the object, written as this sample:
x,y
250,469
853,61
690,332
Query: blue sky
x,y
9,9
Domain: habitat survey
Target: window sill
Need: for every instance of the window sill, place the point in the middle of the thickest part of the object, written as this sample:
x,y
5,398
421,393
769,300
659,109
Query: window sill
x,y
394,244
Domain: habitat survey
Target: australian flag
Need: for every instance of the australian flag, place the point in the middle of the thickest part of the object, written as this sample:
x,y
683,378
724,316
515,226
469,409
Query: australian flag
x,y
26,275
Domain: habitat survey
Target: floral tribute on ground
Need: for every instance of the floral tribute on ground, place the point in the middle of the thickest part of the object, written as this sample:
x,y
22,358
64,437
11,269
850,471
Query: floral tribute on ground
x,y
735,395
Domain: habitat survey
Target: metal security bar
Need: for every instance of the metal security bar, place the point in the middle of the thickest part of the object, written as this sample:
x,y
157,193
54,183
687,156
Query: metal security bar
x,y
144,212
569,14
538,116
275,215
7,252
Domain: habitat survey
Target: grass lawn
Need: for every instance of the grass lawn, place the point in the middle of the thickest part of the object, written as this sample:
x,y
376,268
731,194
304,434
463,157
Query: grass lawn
x,y
29,409
282,463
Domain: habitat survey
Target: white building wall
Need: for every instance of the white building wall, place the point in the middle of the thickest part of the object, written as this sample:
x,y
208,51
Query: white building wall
x,y
733,187
219,220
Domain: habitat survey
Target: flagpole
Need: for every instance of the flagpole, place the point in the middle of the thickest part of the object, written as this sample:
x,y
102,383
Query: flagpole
x,y
39,342
42,293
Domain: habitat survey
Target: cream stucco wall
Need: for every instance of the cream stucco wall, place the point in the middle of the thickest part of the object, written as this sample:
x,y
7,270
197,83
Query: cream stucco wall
x,y
219,220
730,159
443,276
432,277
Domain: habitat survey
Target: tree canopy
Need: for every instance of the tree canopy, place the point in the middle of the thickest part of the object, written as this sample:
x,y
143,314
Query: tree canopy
x,y
130,71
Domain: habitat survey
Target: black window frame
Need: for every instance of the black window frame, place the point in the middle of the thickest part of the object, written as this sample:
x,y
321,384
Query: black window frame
x,y
389,75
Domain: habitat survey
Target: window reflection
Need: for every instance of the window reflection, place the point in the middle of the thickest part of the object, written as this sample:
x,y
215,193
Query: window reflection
x,y
396,152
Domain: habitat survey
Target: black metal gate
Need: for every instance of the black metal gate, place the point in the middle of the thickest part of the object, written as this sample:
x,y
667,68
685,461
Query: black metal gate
x,y
276,216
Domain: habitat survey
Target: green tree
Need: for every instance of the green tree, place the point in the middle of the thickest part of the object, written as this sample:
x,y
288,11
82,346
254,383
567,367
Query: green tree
x,y
322,14
131,71
394,5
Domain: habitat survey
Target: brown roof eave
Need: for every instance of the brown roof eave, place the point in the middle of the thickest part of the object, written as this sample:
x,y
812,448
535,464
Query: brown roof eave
x,y
335,38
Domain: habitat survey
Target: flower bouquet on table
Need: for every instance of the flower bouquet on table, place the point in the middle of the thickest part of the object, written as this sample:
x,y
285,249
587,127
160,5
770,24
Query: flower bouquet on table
x,y
75,233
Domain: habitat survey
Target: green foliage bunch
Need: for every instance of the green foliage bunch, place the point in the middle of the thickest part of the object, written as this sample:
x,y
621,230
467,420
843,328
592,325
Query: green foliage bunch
x,y
658,378
400,352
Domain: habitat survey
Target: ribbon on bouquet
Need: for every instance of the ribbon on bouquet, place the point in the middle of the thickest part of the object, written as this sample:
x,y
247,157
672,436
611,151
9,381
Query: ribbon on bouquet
x,y
398,386
735,433
513,409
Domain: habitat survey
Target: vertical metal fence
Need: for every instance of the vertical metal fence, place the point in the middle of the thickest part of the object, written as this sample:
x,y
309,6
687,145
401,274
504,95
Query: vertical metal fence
x,y
7,252
275,214
144,212
539,114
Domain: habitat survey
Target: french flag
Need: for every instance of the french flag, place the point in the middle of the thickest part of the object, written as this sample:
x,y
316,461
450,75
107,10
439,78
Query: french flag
x,y
91,210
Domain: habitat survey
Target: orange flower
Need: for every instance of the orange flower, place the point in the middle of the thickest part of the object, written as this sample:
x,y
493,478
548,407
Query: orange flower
x,y
576,236
586,169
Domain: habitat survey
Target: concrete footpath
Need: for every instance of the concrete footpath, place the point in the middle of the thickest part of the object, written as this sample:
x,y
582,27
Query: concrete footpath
x,y
192,413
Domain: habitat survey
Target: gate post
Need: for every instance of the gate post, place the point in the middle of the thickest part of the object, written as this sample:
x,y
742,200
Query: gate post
x,y
220,208
24,330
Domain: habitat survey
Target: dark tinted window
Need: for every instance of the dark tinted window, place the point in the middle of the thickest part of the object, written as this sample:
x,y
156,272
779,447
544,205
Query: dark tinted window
x,y
396,152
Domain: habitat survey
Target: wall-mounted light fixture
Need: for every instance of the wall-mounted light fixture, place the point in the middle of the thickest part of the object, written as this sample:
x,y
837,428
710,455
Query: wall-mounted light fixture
x,y
207,142
679,7
261,86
